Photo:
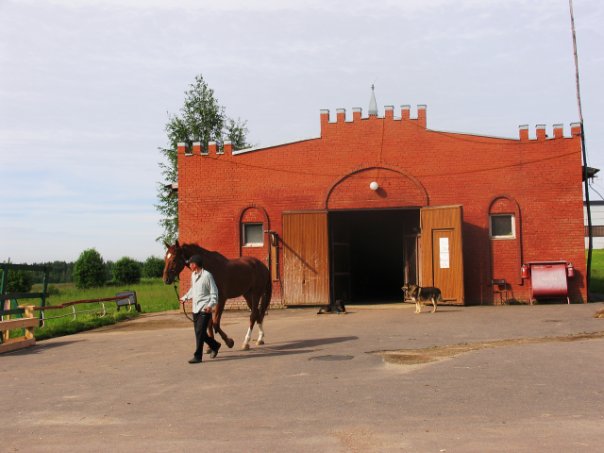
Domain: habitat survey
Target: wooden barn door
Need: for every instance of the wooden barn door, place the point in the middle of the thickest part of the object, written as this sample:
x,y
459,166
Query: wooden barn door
x,y
305,258
442,251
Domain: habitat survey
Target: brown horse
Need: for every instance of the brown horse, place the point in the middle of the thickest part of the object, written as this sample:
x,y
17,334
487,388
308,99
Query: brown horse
x,y
246,276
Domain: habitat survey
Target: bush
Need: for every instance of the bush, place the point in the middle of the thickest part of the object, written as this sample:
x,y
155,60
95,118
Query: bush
x,y
52,290
153,267
19,281
89,270
126,270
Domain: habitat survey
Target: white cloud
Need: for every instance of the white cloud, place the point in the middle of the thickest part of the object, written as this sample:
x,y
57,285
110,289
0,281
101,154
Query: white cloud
x,y
83,107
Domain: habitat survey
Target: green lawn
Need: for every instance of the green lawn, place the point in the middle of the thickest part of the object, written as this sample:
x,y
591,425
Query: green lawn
x,y
152,295
597,271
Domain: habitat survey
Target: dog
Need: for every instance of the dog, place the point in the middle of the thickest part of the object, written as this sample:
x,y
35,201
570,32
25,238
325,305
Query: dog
x,y
338,307
421,295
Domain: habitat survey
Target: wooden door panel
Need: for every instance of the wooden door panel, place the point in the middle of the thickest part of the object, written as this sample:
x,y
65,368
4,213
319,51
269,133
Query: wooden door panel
x,y
442,251
305,258
444,272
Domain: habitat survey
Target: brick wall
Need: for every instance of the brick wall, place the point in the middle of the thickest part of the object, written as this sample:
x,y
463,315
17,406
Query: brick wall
x,y
536,179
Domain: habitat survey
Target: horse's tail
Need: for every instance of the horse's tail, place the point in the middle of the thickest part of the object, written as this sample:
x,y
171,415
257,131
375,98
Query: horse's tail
x,y
266,298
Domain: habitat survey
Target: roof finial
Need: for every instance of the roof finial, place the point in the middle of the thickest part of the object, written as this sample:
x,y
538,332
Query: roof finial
x,y
373,111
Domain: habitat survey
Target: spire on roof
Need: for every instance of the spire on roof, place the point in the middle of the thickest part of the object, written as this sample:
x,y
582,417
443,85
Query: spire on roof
x,y
373,111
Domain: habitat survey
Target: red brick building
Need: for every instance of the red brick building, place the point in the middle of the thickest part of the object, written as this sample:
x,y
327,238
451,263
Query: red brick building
x,y
377,202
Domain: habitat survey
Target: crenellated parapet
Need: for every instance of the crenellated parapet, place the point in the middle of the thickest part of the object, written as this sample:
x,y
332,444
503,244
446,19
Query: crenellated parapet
x,y
213,149
327,121
540,132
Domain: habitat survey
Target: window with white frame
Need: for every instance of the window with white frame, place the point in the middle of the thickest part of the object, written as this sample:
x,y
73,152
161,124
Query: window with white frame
x,y
502,226
253,235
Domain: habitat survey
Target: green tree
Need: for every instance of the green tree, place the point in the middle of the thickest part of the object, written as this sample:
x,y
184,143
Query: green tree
x,y
58,271
109,268
126,270
89,270
153,267
201,119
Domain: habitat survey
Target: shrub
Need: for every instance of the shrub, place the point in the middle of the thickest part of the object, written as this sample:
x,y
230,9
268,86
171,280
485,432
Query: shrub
x,y
52,290
127,270
153,267
19,281
89,270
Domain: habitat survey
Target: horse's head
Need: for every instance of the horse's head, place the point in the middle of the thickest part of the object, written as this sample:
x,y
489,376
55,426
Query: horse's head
x,y
174,262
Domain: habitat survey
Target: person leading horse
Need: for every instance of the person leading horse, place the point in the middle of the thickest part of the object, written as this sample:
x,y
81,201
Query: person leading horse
x,y
245,276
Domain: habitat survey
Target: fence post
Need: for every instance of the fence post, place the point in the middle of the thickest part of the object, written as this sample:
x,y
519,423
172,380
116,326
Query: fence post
x,y
29,313
5,306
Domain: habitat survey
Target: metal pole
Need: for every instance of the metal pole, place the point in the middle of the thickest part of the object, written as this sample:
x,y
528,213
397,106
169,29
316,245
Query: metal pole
x,y
584,153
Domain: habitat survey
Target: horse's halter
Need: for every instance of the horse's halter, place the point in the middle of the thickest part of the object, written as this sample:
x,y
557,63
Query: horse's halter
x,y
176,265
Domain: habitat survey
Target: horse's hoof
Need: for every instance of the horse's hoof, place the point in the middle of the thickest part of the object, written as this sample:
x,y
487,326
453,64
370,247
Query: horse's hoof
x,y
230,343
260,342
245,347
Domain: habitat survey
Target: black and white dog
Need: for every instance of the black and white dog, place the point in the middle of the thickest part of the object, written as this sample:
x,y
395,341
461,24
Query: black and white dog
x,y
337,307
421,295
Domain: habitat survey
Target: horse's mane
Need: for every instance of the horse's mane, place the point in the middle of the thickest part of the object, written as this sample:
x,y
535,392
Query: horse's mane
x,y
195,249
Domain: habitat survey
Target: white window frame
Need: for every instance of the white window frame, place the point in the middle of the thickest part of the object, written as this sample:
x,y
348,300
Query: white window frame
x,y
505,236
244,234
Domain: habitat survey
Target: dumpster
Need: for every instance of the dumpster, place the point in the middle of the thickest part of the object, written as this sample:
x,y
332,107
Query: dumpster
x,y
549,279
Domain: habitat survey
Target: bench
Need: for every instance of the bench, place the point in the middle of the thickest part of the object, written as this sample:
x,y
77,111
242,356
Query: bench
x,y
127,299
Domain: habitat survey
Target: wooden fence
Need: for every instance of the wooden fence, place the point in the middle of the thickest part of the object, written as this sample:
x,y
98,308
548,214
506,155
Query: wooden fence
x,y
27,322
126,299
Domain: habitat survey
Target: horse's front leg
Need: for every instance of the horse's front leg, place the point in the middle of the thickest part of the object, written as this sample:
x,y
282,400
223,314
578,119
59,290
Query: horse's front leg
x,y
216,315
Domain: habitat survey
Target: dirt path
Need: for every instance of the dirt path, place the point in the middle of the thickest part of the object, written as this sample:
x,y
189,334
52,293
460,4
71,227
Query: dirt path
x,y
432,354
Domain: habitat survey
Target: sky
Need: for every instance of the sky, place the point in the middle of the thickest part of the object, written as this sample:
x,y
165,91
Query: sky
x,y
87,87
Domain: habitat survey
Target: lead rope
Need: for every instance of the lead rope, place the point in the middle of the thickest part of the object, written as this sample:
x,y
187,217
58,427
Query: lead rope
x,y
183,305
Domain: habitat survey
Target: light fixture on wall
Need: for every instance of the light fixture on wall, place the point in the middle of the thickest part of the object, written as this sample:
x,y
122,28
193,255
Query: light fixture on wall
x,y
373,185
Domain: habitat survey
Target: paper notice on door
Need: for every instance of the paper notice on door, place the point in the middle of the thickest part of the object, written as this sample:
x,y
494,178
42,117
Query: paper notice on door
x,y
444,252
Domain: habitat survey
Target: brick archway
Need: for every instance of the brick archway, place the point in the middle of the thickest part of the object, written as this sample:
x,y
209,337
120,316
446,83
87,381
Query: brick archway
x,y
396,189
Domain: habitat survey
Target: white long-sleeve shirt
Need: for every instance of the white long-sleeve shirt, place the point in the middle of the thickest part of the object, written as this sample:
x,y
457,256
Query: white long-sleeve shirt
x,y
203,291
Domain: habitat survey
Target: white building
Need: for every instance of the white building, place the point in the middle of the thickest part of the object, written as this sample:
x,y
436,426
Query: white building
x,y
597,223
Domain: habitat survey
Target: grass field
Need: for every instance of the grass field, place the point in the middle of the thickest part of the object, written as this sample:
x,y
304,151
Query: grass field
x,y
597,272
152,295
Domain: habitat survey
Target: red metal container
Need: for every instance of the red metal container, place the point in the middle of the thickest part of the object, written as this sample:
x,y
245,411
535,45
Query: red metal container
x,y
548,279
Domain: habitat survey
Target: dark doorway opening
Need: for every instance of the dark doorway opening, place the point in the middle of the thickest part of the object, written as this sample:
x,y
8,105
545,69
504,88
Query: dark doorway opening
x,y
373,254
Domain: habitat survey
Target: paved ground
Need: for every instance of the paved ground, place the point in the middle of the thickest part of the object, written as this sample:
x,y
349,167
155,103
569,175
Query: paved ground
x,y
321,384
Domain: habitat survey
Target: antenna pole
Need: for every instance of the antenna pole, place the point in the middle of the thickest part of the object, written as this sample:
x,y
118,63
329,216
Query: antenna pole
x,y
584,153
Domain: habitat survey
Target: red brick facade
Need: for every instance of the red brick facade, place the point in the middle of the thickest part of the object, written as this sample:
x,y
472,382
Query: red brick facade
x,y
537,180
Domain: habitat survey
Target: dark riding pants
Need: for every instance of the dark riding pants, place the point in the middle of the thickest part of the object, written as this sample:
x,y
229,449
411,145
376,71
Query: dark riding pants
x,y
200,321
